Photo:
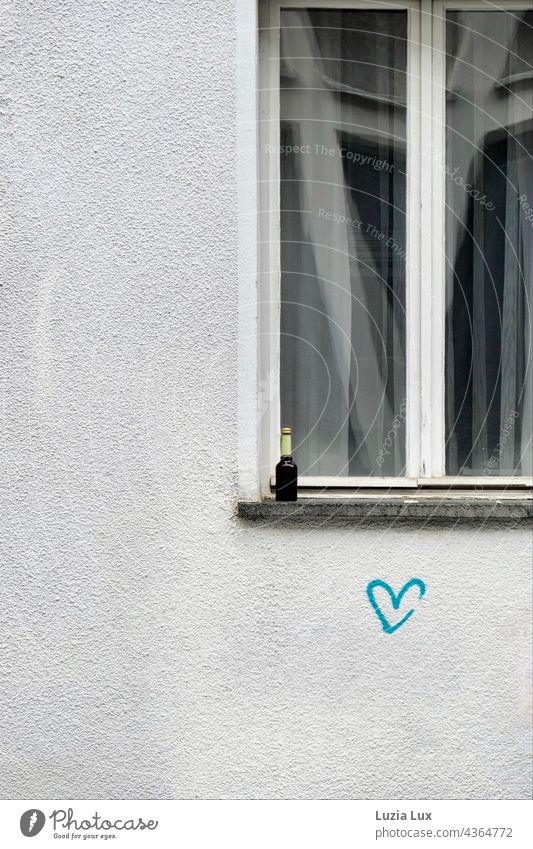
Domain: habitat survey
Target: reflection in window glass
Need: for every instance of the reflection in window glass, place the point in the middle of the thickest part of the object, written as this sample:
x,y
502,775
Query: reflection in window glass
x,y
489,242
343,235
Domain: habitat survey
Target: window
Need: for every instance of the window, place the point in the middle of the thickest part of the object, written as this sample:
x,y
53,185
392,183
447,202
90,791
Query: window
x,y
397,240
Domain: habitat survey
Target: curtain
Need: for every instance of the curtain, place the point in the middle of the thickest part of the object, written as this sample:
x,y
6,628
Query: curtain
x,y
342,149
489,238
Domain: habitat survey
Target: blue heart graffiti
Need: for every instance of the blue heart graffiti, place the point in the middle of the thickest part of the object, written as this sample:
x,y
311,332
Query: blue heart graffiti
x,y
396,601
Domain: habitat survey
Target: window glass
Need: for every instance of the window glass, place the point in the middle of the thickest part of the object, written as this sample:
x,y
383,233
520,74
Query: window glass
x,y
489,242
343,239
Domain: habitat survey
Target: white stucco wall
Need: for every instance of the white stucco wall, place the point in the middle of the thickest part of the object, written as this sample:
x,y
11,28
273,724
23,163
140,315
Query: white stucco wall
x,y
153,644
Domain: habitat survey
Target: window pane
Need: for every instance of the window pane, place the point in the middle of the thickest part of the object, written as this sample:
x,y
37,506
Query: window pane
x,y
343,235
489,242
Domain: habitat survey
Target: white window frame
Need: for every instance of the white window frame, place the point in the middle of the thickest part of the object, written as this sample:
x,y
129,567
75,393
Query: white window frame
x,y
425,388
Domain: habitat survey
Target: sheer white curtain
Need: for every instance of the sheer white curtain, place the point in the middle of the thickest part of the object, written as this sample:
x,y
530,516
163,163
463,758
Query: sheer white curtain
x,y
489,240
343,239
515,451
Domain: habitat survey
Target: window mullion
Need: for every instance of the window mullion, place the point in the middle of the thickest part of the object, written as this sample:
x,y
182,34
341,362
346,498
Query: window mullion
x,y
432,298
413,276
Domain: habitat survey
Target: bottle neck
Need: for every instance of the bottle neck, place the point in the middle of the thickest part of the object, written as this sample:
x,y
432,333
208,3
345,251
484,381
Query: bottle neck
x,y
286,445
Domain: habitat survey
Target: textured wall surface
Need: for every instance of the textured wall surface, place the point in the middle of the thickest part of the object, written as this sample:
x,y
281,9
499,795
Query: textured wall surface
x,y
152,644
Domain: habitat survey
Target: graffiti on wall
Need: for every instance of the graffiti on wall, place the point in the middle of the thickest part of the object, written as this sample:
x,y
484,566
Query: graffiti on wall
x,y
387,621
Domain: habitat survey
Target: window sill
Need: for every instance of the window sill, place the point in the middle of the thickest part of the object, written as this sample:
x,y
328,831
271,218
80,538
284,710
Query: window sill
x,y
408,506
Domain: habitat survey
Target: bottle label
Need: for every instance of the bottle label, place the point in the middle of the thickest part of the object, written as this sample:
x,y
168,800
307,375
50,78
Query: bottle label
x,y
286,446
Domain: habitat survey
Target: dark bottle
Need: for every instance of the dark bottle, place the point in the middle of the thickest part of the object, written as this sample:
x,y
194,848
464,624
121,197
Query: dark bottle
x,y
286,470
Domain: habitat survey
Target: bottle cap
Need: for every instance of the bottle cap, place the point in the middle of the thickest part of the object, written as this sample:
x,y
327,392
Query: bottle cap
x,y
286,430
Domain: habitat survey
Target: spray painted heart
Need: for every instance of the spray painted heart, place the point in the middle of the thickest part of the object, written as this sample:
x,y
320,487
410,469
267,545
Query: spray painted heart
x,y
396,601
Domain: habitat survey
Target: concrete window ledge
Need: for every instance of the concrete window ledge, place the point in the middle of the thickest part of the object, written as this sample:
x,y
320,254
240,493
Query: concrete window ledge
x,y
512,508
